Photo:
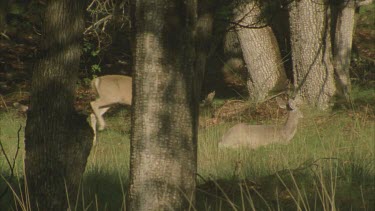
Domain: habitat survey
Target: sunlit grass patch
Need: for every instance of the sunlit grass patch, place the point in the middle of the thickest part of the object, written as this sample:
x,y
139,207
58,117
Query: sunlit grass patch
x,y
12,127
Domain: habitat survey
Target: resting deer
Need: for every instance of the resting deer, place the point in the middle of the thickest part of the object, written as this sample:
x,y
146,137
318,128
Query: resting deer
x,y
110,89
21,108
254,136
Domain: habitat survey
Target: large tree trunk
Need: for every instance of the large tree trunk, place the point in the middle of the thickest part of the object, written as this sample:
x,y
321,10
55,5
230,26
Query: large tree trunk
x,y
311,52
163,158
344,23
57,139
344,13
260,51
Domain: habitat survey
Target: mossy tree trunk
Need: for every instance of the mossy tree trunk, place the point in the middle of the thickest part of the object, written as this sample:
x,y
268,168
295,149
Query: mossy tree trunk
x,y
311,51
163,160
58,140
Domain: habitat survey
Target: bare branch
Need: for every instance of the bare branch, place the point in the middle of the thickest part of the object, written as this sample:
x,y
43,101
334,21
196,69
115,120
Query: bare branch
x,y
101,21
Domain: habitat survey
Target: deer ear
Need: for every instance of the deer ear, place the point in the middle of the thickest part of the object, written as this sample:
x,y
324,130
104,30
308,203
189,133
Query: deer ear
x,y
281,102
291,104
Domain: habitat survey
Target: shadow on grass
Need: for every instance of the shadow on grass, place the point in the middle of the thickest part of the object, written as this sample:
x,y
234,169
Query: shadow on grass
x,y
99,191
103,191
306,188
312,186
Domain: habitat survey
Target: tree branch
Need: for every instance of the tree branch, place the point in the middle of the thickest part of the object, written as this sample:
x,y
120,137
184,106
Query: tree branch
x,y
11,165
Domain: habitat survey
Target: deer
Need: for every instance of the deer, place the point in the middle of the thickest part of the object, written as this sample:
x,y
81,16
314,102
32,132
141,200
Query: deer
x,y
110,90
255,136
21,107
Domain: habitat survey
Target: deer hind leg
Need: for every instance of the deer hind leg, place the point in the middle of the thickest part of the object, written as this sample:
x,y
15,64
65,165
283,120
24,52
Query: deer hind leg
x,y
102,111
99,111
93,125
94,121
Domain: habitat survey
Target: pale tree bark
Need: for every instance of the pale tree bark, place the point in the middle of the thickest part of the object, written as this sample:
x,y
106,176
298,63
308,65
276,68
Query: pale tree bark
x,y
359,3
57,139
260,51
344,12
311,52
344,23
163,158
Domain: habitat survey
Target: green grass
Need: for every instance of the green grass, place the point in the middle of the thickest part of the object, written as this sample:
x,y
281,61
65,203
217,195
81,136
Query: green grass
x,y
330,151
329,165
10,123
367,19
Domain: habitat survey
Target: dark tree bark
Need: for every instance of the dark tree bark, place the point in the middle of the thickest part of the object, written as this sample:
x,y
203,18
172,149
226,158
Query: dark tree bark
x,y
203,40
279,22
163,158
260,51
234,68
57,139
3,15
311,51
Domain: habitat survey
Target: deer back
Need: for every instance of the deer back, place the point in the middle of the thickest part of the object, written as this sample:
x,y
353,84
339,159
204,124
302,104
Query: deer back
x,y
113,88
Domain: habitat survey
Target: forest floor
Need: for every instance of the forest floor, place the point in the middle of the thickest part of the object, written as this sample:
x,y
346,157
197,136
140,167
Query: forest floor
x,y
19,47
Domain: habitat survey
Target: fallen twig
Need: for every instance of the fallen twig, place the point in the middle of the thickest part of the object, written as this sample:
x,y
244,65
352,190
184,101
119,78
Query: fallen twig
x,y
11,165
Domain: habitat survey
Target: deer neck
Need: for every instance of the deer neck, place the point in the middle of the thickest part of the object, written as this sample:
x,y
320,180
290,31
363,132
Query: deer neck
x,y
290,127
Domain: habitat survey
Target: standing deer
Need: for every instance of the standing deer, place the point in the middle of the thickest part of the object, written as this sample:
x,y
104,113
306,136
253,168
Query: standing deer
x,y
110,90
254,136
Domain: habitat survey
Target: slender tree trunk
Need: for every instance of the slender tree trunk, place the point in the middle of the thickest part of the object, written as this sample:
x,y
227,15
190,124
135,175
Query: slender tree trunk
x,y
311,51
57,139
342,46
260,51
203,41
344,17
163,158
3,15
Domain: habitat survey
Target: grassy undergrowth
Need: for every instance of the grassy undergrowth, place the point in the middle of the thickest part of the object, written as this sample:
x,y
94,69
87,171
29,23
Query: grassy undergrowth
x,y
329,165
